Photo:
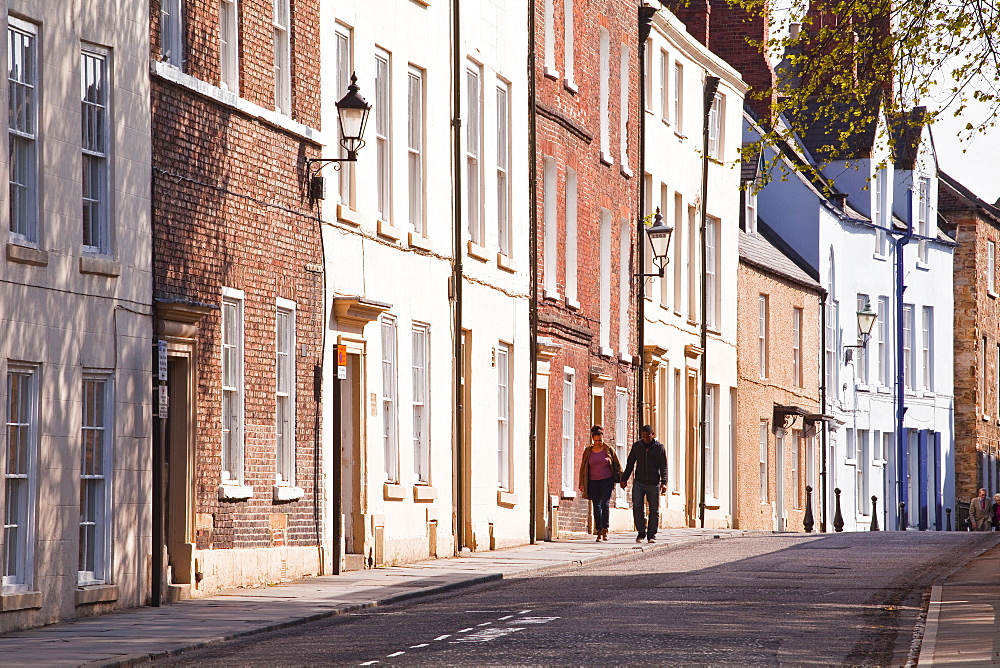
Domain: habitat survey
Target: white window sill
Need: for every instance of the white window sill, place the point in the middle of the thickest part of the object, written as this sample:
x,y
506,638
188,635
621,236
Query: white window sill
x,y
621,502
986,418
286,493
475,250
626,172
419,241
100,266
882,389
604,351
388,230
571,86
506,499
233,492
665,121
346,214
424,493
607,159
506,263
572,304
551,72
624,357
551,294
567,493
862,387
922,264
680,135
393,492
879,257
991,294
929,394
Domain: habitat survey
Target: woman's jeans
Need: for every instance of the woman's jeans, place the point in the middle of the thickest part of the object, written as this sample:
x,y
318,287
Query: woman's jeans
x,y
599,492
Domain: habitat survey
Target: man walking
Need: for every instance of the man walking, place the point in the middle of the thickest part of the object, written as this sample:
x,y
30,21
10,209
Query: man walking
x,y
649,459
980,512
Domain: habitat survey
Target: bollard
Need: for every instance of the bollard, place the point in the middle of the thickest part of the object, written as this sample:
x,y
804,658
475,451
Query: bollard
x,y
838,518
808,522
874,526
947,512
902,516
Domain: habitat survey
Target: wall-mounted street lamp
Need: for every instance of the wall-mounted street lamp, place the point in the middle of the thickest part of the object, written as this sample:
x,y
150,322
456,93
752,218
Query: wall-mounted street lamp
x,y
866,320
352,111
659,234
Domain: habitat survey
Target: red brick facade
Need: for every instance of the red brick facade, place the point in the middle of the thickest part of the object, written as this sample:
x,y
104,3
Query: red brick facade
x,y
231,209
568,132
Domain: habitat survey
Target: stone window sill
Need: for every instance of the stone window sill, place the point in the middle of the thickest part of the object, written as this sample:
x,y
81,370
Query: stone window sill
x,y
477,251
419,241
233,492
506,499
282,493
388,230
25,600
568,494
506,263
571,86
346,214
101,593
27,255
424,493
393,492
100,266
572,304
551,294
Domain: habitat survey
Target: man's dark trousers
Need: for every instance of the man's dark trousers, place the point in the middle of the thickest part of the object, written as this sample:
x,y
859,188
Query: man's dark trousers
x,y
651,493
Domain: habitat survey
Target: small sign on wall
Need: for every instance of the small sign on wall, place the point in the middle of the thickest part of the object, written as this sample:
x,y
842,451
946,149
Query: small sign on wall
x,y
341,362
164,402
161,358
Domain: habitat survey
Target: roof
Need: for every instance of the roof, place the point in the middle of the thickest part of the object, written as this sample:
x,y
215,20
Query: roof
x,y
762,254
827,122
953,196
906,134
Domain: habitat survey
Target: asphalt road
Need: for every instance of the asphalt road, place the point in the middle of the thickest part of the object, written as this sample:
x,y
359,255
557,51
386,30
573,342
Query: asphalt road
x,y
760,600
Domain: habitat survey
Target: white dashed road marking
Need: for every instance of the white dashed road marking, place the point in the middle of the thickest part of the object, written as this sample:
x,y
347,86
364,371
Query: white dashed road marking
x,y
423,644
444,637
486,635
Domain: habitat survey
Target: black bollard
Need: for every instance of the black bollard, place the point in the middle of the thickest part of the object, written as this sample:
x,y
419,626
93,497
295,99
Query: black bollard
x,y
902,516
838,517
947,512
808,522
874,526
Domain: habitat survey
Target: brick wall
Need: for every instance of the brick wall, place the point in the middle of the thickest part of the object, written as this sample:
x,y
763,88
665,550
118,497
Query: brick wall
x,y
568,130
230,210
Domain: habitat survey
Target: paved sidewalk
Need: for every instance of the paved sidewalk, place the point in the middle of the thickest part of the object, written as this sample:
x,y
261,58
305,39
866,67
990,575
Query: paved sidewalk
x,y
135,635
963,627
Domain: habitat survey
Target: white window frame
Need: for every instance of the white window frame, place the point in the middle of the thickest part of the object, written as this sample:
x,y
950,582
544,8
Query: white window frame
x,y
711,441
503,169
282,57
572,232
884,358
344,64
797,314
172,32
504,426
909,372
604,336
678,98
624,286
96,148
96,484
232,365
420,365
665,279
863,484
568,429
991,267
712,228
621,431
22,130
649,65
19,576
604,95
284,392
862,356
750,209
390,418
764,495
795,455
549,36
383,134
415,149
229,46
923,214
474,152
678,259
569,58
927,347
664,86
551,228
623,78
762,333
716,123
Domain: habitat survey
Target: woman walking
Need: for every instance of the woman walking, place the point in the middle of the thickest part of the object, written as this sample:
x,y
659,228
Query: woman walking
x,y
599,470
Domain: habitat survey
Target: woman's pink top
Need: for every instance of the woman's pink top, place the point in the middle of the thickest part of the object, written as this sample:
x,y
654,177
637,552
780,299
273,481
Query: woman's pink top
x,y
600,465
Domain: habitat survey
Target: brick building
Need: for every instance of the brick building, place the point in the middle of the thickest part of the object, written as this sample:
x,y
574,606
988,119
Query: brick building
x,y
975,226
777,445
238,287
587,181
75,312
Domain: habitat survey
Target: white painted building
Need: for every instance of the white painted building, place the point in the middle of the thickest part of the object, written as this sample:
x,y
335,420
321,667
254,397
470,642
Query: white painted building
x,y
75,308
416,482
852,249
676,69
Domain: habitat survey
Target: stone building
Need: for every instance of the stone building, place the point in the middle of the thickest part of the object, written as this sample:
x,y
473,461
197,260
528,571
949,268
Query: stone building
x,y
975,226
75,311
777,444
586,177
238,286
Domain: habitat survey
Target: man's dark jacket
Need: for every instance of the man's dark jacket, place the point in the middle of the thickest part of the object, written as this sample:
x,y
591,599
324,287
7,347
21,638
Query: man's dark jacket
x,y
650,463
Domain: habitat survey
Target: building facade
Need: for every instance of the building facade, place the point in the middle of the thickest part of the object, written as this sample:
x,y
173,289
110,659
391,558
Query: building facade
x,y
585,116
975,226
75,293
427,273
778,409
238,285
676,356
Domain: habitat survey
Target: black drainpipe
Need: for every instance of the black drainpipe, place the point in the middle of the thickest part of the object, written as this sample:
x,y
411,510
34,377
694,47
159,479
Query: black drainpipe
x,y
826,425
645,26
456,277
533,436
901,450
711,86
